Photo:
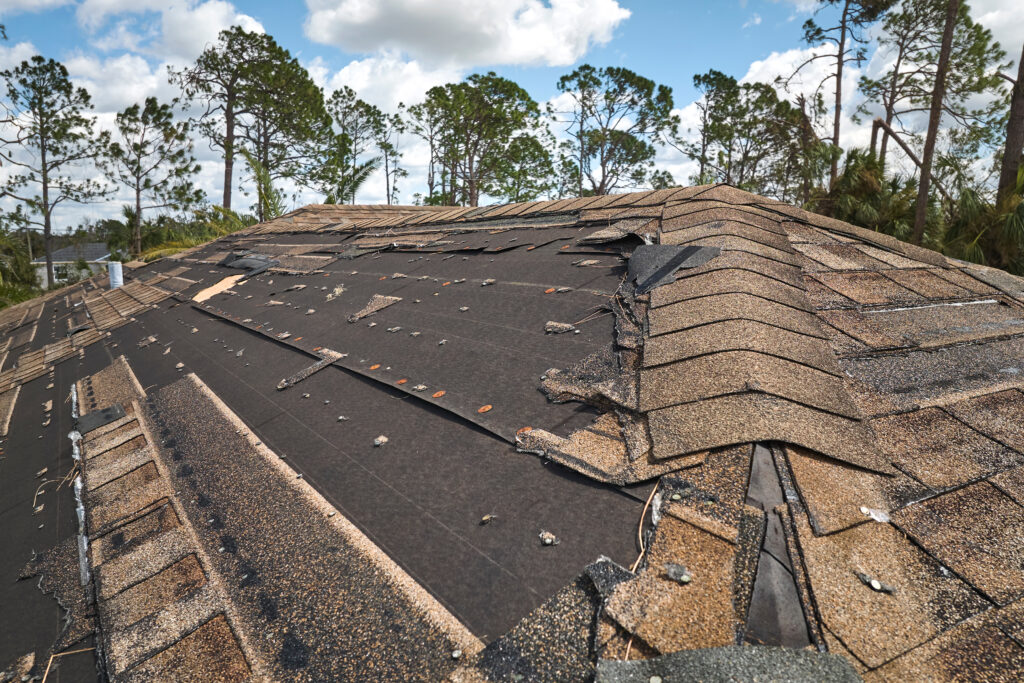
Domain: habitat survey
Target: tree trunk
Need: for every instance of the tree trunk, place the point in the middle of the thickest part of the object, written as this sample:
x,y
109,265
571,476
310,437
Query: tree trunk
x,y
837,116
229,150
1014,136
137,227
883,152
934,117
47,225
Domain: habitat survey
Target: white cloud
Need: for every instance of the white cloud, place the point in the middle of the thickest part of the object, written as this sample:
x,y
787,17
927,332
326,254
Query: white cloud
x,y
187,29
1005,18
92,13
14,55
467,32
384,79
117,82
754,20
16,6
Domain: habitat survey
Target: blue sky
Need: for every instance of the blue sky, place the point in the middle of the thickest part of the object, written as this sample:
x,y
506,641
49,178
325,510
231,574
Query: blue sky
x,y
666,41
394,50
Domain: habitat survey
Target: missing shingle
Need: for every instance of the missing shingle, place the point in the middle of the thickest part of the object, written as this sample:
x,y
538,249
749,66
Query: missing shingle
x,y
653,265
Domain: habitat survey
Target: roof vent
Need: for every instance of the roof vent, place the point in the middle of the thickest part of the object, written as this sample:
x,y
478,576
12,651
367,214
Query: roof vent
x,y
116,278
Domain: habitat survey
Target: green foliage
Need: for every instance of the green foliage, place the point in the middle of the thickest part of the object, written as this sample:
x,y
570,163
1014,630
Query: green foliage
x,y
256,96
525,171
48,118
616,117
345,168
986,232
910,38
152,156
270,201
863,196
470,127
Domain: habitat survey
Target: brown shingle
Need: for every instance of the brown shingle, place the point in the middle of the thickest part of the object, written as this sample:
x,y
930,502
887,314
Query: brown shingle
x,y
835,493
877,625
731,243
838,257
672,616
211,649
733,228
753,417
868,288
927,284
732,372
975,650
732,335
685,314
729,281
999,416
939,450
978,532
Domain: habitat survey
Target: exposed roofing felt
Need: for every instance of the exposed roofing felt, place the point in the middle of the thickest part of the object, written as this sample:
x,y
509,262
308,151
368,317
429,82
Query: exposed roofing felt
x,y
507,443
89,251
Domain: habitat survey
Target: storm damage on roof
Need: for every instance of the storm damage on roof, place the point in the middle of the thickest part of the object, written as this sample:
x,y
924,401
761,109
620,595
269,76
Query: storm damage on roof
x,y
691,433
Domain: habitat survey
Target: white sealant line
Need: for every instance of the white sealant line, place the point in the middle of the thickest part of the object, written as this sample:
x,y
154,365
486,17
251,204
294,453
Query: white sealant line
x,y
76,453
951,303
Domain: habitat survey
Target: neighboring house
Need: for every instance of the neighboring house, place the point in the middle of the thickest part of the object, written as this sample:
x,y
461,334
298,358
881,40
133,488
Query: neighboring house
x,y
633,437
95,254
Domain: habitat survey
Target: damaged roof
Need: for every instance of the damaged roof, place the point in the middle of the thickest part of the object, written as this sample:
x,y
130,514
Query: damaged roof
x,y
687,433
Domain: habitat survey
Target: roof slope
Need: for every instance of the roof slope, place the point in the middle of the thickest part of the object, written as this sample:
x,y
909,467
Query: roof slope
x,y
89,251
526,440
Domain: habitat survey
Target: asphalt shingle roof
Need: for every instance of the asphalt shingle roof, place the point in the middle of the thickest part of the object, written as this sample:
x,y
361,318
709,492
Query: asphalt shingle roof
x,y
809,438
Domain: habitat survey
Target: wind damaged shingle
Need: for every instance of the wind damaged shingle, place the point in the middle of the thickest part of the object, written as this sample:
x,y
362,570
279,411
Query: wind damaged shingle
x,y
377,303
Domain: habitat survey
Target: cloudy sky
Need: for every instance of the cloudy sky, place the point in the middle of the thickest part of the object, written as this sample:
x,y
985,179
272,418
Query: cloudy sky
x,y
391,51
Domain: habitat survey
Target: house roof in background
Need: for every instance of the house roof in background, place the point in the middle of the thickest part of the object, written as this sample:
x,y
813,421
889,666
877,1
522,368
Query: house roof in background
x,y
616,436
89,251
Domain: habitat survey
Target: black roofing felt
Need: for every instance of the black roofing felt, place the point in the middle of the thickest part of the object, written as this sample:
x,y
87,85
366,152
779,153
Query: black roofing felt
x,y
97,418
29,620
420,497
90,251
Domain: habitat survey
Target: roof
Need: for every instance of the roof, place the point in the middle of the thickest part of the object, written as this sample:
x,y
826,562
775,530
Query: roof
x,y
88,251
616,437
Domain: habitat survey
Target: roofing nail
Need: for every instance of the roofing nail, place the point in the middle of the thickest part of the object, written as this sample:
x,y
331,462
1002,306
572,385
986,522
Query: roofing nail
x,y
548,538
463,308
380,440
305,396
415,334
394,329
487,519
342,418
678,573
326,401
442,342
419,387
456,654
874,584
